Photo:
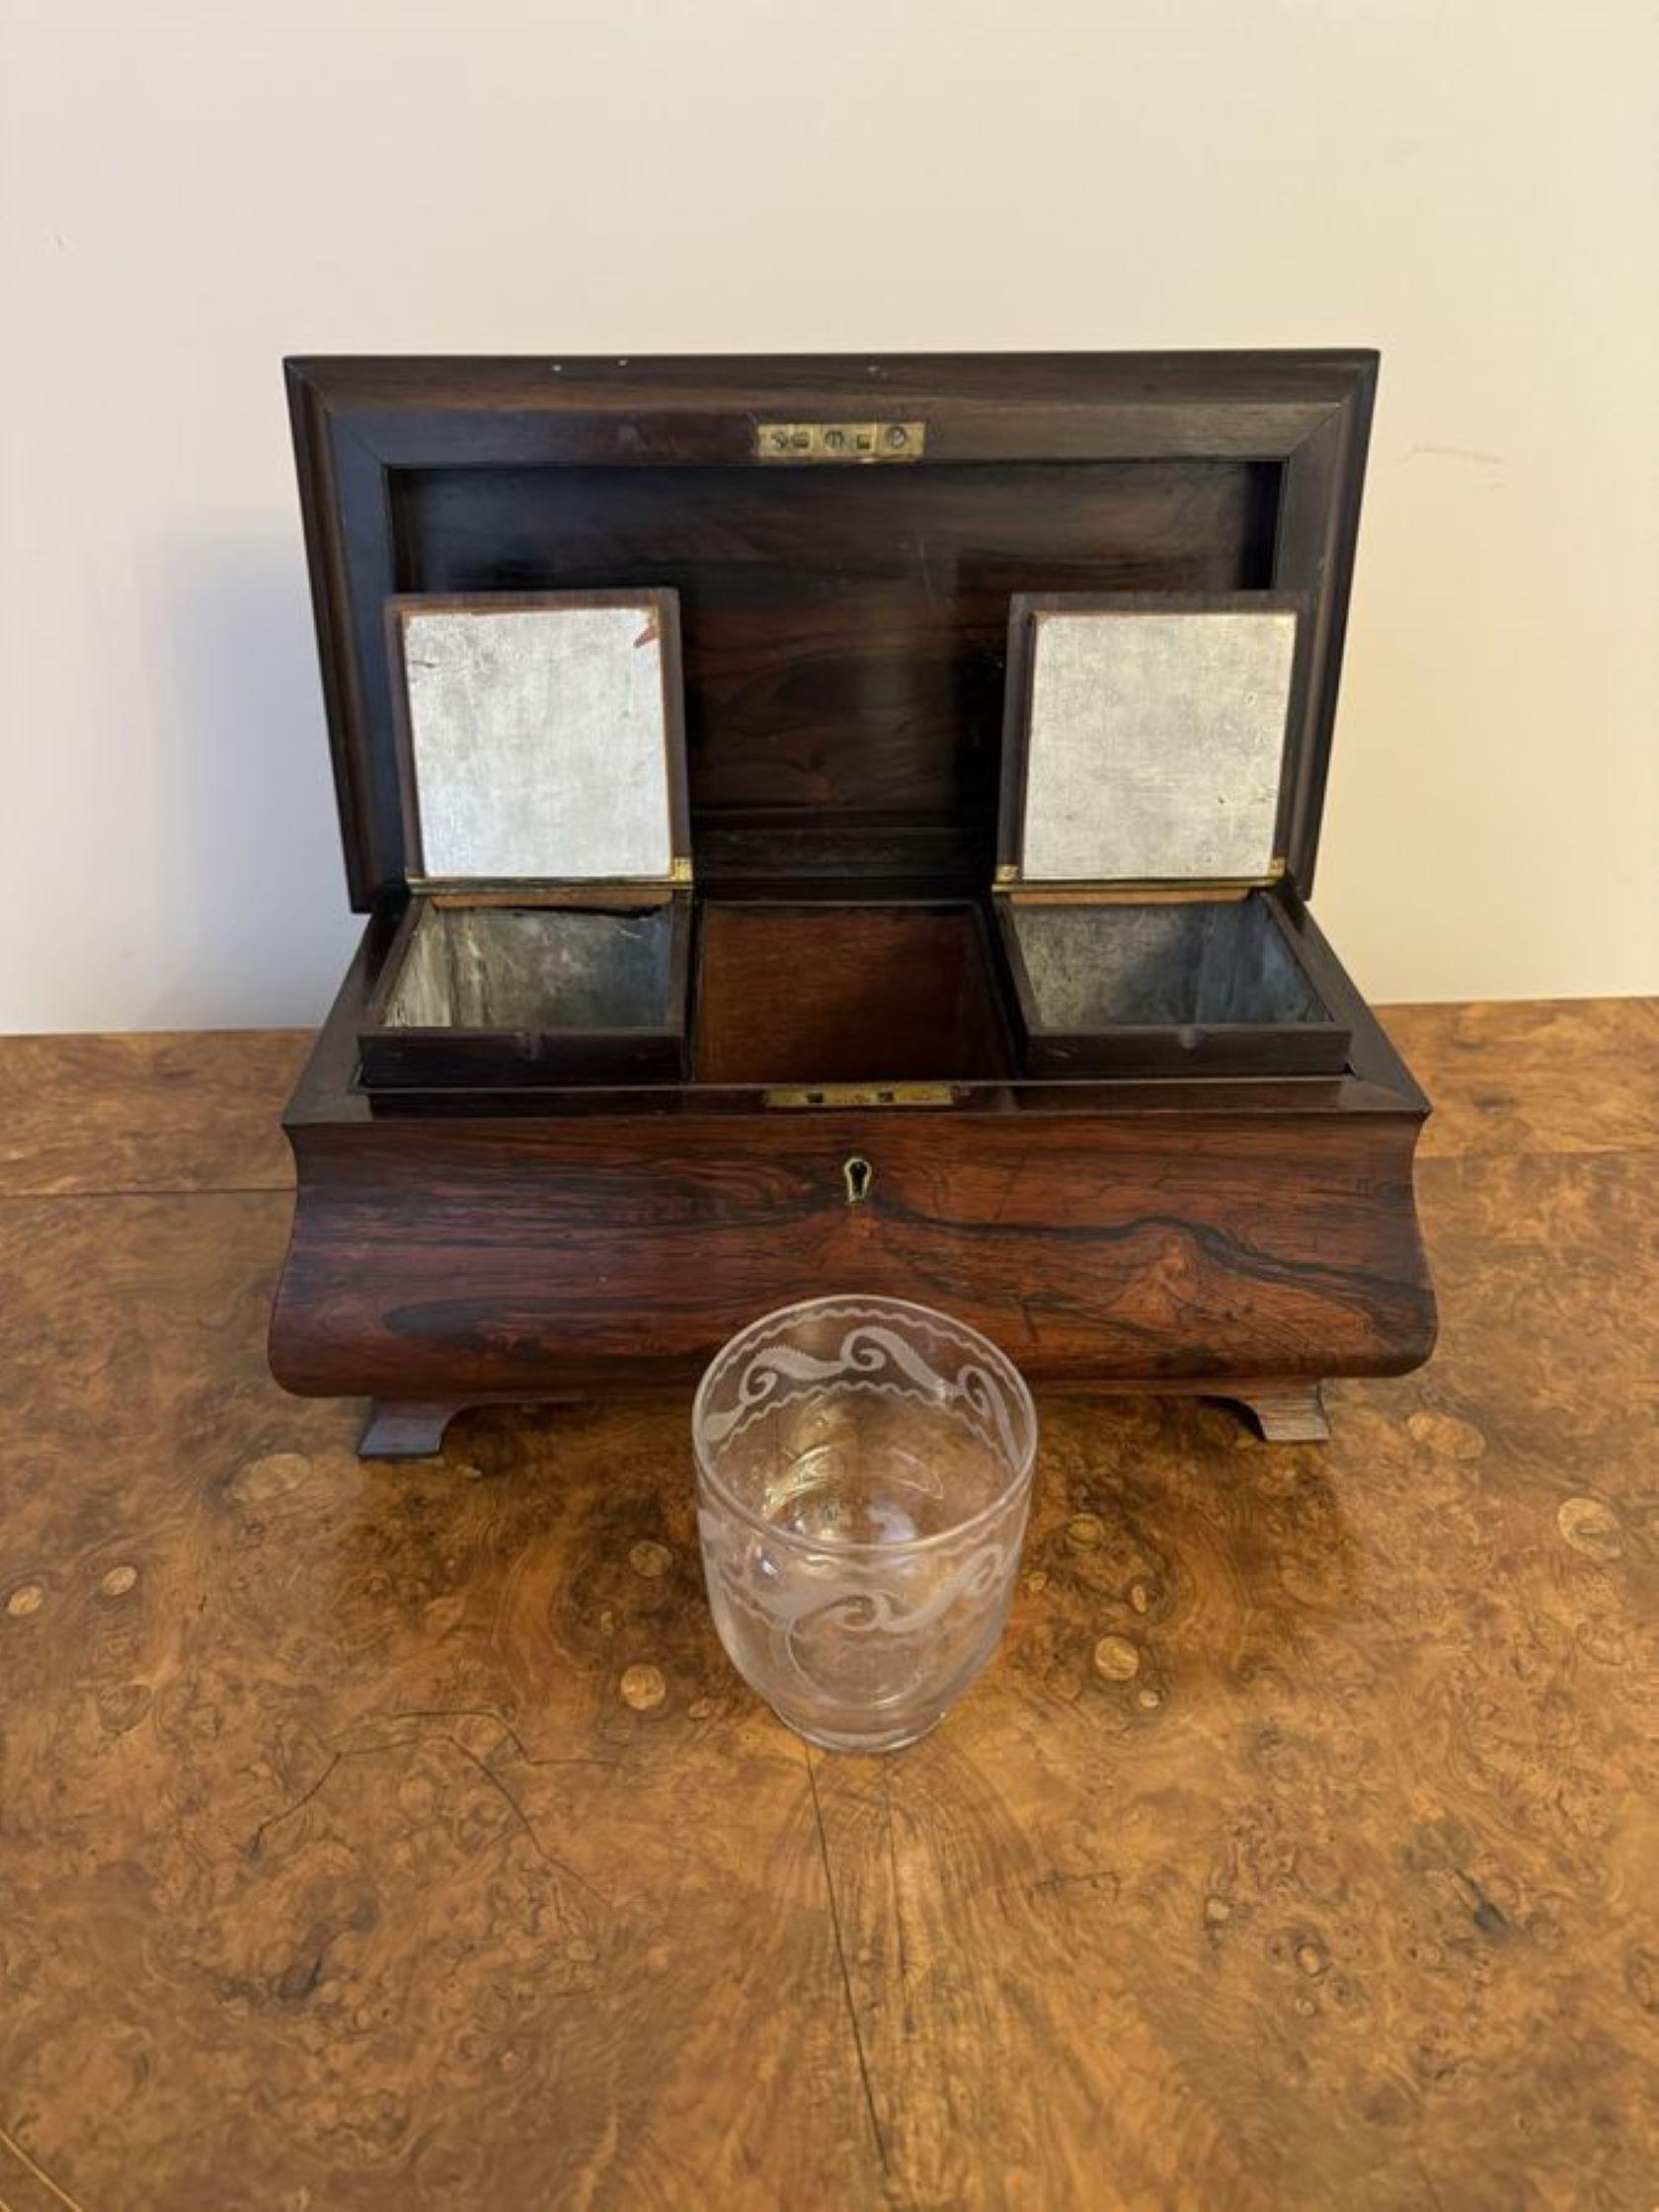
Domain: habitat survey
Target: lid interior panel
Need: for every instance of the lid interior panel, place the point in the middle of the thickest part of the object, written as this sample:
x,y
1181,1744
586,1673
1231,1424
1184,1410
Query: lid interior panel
x,y
1155,743
538,741
843,631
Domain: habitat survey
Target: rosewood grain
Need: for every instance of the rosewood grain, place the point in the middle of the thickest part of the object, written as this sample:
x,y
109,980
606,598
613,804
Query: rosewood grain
x,y
461,1258
1197,1234
844,640
846,995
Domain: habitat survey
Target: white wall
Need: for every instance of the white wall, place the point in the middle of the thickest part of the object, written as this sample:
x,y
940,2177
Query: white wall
x,y
191,188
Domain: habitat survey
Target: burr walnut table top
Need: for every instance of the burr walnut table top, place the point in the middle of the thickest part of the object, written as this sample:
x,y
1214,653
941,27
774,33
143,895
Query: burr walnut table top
x,y
402,1839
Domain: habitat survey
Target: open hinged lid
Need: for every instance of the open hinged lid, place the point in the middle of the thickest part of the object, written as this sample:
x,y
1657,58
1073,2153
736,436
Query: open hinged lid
x,y
539,738
844,590
1146,739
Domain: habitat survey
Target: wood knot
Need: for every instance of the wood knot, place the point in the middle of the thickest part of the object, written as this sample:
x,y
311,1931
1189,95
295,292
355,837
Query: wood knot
x,y
1085,1531
1117,1659
26,1598
445,1614
122,1705
651,1560
1445,1434
643,1687
1591,1528
118,1581
258,1481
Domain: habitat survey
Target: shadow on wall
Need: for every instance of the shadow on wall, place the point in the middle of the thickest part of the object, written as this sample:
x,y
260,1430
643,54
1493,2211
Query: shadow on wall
x,y
249,875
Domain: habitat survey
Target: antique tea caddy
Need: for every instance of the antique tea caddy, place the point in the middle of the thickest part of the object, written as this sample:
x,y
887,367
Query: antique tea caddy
x,y
839,825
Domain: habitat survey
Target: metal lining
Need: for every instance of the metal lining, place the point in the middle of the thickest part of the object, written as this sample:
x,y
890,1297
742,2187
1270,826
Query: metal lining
x,y
1157,746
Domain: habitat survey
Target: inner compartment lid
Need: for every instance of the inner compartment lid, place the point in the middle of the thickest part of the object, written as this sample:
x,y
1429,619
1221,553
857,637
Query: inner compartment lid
x,y
539,737
1147,738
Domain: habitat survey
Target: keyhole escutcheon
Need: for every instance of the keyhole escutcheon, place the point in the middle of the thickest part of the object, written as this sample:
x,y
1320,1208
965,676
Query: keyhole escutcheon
x,y
858,1176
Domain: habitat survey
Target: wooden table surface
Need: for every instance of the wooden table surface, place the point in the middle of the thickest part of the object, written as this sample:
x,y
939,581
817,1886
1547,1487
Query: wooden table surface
x,y
390,1839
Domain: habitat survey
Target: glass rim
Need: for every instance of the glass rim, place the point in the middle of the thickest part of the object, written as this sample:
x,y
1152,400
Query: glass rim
x,y
903,1546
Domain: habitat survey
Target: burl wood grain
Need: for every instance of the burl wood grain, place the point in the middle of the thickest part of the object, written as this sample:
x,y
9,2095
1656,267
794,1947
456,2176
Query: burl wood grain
x,y
165,1111
374,1840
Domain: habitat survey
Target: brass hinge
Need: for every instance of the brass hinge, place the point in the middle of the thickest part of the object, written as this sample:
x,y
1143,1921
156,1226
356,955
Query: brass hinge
x,y
533,891
839,441
864,1094
1125,892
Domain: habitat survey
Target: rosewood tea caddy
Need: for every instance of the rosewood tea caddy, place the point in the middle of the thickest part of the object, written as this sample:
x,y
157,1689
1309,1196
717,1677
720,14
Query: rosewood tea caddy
x,y
898,884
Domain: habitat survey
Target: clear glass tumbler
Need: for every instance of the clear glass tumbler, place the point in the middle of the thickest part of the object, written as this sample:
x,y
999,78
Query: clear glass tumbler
x,y
863,1473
